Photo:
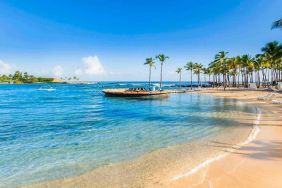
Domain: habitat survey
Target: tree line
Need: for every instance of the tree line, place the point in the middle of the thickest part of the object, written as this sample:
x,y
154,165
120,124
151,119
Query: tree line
x,y
20,77
263,69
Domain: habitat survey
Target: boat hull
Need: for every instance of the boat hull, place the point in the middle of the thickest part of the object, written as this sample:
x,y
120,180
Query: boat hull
x,y
143,94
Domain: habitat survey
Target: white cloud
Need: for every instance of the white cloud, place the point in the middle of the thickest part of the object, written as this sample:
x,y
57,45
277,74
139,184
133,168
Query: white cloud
x,y
58,71
93,65
5,68
78,72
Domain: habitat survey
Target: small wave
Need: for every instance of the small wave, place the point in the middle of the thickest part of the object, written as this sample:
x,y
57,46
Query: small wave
x,y
207,162
43,89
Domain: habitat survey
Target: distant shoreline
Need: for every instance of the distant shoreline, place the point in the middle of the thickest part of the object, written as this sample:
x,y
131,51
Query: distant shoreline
x,y
80,82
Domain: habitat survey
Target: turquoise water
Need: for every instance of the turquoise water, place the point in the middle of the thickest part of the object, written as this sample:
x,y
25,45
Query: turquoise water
x,y
53,134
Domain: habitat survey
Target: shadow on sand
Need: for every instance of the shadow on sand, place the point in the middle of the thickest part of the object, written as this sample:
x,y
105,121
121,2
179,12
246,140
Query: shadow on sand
x,y
260,150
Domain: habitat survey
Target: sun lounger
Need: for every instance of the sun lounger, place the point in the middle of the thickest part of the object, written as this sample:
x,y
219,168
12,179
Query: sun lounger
x,y
253,86
277,101
197,89
279,86
270,96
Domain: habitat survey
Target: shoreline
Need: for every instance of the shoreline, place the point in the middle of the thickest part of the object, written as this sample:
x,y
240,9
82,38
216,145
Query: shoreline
x,y
152,174
253,134
254,165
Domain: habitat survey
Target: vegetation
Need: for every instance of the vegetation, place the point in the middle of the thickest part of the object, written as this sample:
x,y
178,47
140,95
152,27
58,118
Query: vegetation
x,y
150,62
198,68
19,77
190,67
179,71
161,58
277,24
262,69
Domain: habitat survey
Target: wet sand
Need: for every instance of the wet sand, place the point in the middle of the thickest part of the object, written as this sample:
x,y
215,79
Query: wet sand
x,y
255,164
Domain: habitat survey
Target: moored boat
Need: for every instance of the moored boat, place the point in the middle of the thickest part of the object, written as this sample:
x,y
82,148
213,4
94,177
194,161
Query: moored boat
x,y
134,92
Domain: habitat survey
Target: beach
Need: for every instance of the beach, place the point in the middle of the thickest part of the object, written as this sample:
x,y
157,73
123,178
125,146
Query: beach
x,y
140,94
257,164
222,161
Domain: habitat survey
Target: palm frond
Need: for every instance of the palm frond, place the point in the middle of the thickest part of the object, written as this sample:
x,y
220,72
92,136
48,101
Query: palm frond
x,y
277,24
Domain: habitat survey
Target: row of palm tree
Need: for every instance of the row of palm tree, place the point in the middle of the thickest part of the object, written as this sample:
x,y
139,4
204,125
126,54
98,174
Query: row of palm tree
x,y
227,71
151,63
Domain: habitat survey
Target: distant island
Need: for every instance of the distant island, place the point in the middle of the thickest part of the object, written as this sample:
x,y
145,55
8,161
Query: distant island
x,y
21,78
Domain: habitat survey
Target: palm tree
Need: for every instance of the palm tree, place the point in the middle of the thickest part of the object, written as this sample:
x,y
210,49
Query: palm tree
x,y
273,54
247,68
179,71
238,63
277,24
151,63
190,66
250,69
209,72
197,70
258,61
220,64
232,70
161,58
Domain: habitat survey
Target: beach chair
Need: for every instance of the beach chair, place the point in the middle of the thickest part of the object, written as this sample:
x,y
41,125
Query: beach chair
x,y
277,101
270,96
197,89
253,86
279,86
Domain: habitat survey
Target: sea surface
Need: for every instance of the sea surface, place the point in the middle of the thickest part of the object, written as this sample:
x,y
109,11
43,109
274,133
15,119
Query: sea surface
x,y
73,129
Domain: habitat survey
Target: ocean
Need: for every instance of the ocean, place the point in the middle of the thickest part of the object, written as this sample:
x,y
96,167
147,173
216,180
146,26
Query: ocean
x,y
46,135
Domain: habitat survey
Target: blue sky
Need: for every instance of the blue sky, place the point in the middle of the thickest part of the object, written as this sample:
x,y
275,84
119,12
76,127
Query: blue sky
x,y
109,40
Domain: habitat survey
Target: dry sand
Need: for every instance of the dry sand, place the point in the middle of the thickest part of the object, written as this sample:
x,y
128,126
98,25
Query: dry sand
x,y
257,164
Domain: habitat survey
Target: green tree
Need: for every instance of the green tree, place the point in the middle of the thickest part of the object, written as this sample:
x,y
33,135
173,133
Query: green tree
x,y
190,67
162,58
17,76
150,62
179,71
197,70
273,53
220,65
25,77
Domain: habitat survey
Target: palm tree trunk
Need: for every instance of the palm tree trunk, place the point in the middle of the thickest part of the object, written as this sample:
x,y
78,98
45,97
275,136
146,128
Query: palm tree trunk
x,y
161,79
191,80
198,80
180,79
150,78
224,81
238,80
258,79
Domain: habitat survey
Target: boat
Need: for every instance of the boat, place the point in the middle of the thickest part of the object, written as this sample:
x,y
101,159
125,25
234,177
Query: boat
x,y
46,88
135,92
